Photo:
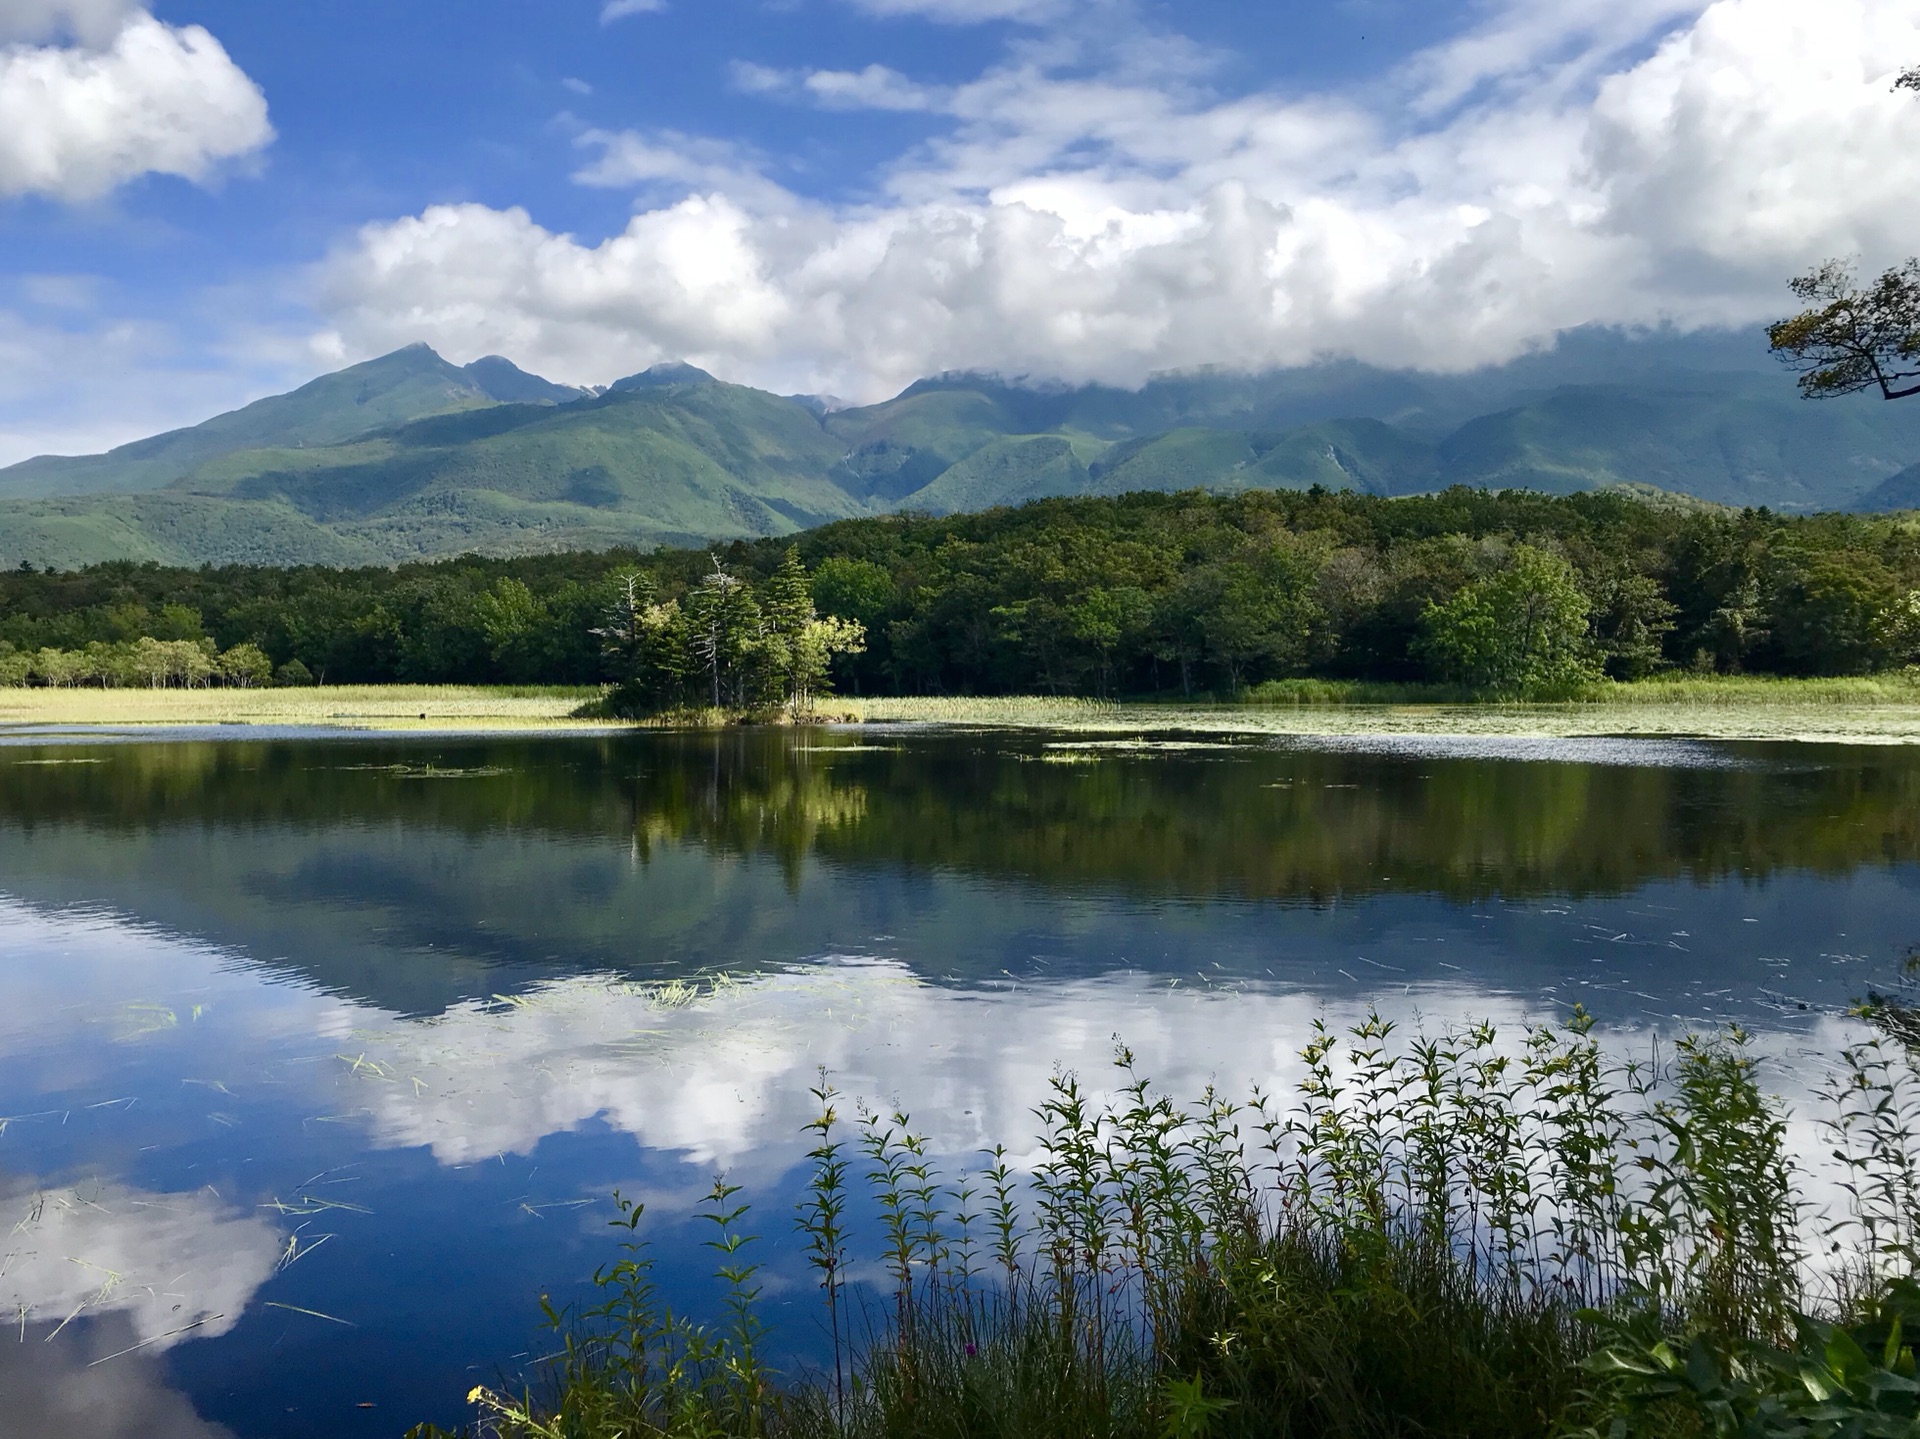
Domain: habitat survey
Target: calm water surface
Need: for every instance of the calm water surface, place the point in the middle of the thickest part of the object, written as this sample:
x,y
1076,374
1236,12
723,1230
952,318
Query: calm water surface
x,y
320,1057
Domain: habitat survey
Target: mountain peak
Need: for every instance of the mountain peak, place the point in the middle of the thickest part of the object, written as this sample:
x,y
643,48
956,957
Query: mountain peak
x,y
667,372
506,382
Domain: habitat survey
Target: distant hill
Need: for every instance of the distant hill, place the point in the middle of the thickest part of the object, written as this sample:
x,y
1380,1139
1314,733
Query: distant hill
x,y
409,456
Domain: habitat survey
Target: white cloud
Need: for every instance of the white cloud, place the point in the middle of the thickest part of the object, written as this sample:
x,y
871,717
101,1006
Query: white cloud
x,y
619,9
875,88
178,1266
1095,214
77,121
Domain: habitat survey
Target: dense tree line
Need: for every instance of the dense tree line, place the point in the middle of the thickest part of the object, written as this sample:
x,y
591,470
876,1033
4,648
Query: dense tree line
x,y
1145,594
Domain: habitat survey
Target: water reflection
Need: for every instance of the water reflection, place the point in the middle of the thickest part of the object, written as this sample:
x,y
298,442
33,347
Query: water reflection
x,y
318,1054
90,1388
172,1265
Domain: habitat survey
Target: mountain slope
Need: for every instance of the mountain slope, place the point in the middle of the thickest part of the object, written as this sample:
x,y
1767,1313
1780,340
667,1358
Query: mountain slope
x,y
671,461
1896,492
406,385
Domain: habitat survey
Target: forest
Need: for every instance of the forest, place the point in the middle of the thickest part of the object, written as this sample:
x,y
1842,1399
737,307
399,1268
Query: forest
x,y
1189,594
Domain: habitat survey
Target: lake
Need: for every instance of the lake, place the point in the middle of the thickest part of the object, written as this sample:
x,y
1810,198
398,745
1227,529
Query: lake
x,y
321,1057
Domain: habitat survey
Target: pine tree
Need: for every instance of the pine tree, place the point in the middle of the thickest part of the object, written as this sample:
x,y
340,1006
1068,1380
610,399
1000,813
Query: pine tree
x,y
724,622
785,616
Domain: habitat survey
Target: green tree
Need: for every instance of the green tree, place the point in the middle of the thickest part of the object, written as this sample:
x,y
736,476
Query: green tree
x,y
624,632
786,609
853,589
1632,624
1256,616
811,665
1897,629
1826,610
1521,631
514,622
723,624
58,669
245,666
797,646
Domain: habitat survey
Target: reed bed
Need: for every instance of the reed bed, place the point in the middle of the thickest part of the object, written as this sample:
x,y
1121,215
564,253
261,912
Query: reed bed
x,y
1451,1235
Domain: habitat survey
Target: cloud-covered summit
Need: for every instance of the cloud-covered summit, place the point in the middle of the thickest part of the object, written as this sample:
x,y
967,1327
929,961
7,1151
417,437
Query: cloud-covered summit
x,y
1096,205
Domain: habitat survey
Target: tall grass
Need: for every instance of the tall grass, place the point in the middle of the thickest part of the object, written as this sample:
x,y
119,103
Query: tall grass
x,y
1460,1234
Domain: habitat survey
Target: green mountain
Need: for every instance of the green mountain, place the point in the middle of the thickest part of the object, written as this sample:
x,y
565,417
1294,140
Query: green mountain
x,y
406,385
409,456
674,460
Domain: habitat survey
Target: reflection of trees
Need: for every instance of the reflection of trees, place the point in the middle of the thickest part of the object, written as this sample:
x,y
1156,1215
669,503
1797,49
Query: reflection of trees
x,y
1254,823
748,800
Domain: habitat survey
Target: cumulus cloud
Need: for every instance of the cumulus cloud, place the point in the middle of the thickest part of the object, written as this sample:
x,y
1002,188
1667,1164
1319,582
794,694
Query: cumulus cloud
x,y
134,96
1101,215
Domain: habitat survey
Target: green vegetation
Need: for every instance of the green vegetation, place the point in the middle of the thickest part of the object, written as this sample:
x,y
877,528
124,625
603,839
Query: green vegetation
x,y
1444,1235
410,457
1512,594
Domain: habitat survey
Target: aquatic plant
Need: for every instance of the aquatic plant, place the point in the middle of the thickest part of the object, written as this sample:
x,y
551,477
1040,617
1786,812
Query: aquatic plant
x,y
1457,1234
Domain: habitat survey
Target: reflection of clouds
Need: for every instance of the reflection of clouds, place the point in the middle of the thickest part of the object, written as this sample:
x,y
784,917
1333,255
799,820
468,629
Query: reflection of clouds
x,y
718,1076
81,1391
723,1077
174,1265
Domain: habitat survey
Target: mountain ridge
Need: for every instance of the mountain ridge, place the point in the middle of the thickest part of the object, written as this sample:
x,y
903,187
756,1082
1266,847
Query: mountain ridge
x,y
410,456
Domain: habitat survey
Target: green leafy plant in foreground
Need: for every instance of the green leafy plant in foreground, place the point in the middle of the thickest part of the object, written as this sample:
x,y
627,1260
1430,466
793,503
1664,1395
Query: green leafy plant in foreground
x,y
1833,1381
1456,1236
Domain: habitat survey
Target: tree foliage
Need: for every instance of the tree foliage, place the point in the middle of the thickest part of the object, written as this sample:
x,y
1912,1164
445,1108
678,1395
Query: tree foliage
x,y
1521,631
1854,337
1182,594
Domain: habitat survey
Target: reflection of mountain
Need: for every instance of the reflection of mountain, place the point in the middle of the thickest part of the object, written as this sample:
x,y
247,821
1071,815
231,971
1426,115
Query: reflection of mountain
x,y
661,854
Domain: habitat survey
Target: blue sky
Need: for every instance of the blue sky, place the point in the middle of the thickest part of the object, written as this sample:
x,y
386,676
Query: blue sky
x,y
206,200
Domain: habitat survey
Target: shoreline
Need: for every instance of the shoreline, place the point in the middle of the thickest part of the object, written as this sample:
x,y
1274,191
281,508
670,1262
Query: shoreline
x,y
1813,711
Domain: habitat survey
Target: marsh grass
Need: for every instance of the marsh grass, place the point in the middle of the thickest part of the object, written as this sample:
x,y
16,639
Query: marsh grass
x,y
358,707
1431,1235
1882,708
